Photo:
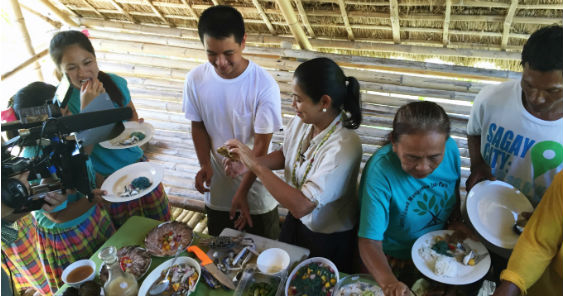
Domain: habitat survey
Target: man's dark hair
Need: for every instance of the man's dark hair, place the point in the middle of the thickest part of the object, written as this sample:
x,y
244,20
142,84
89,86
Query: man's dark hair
x,y
544,49
221,22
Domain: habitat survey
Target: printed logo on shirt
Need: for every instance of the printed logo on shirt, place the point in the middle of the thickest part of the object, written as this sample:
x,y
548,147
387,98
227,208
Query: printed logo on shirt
x,y
436,207
503,147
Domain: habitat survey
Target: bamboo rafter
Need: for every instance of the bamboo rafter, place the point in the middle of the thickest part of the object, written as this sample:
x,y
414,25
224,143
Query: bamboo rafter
x,y
49,20
342,6
508,23
190,9
70,11
264,16
447,16
216,2
304,18
158,13
291,20
394,16
94,9
118,7
65,18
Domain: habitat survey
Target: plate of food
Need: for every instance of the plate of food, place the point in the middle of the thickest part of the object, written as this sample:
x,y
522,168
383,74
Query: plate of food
x,y
494,208
132,182
184,276
132,259
253,282
165,238
357,285
135,134
450,259
313,276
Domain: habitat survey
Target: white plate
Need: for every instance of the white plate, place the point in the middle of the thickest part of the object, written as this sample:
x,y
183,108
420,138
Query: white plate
x,y
115,183
465,274
155,274
493,207
130,127
307,262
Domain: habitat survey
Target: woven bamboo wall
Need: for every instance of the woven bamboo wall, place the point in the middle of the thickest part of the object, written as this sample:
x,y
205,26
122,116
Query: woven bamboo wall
x,y
155,62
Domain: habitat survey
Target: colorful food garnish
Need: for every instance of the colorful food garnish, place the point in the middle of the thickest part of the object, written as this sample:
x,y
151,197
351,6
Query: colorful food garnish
x,y
313,279
164,239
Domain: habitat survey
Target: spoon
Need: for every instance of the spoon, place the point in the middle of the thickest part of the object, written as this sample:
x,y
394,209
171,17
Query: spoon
x,y
159,288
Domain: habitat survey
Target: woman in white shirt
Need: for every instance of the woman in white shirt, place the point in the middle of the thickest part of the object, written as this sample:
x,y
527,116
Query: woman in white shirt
x,y
321,157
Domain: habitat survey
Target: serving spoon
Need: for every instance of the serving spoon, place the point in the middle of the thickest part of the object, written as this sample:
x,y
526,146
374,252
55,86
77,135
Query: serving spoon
x,y
159,287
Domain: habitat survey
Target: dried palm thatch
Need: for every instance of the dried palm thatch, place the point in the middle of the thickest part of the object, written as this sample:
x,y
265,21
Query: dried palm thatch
x,y
487,26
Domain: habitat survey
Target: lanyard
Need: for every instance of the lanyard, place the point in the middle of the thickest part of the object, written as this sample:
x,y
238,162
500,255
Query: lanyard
x,y
310,164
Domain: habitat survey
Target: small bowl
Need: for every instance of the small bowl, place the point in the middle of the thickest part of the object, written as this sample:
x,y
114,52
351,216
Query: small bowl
x,y
306,262
74,266
273,261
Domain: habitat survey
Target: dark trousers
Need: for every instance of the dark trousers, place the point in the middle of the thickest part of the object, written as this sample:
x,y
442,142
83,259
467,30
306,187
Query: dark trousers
x,y
338,247
266,225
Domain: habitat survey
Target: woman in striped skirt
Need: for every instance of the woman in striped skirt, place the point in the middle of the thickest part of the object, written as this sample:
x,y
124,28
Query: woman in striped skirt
x,y
74,56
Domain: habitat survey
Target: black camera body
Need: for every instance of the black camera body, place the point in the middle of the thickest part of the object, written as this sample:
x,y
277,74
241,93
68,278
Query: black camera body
x,y
58,154
62,161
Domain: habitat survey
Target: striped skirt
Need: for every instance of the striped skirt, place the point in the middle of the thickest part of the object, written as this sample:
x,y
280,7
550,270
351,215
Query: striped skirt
x,y
60,247
21,260
152,205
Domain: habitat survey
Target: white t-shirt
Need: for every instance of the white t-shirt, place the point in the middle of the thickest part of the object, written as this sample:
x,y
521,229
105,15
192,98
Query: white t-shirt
x,y
521,149
234,108
332,179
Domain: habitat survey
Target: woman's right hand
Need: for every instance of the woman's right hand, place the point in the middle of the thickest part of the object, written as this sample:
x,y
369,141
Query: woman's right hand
x,y
242,153
396,289
234,168
89,90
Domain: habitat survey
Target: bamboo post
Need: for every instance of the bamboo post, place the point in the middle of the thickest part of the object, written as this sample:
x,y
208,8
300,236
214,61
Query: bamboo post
x,y
65,18
23,30
289,15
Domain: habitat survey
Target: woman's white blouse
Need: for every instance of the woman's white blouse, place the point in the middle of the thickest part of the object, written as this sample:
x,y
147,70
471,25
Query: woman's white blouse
x,y
332,180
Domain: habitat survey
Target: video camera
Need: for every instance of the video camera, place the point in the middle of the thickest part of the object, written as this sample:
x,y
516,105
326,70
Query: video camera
x,y
57,153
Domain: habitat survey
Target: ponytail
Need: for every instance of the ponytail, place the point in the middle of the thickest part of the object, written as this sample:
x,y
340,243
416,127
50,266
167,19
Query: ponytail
x,y
352,106
111,88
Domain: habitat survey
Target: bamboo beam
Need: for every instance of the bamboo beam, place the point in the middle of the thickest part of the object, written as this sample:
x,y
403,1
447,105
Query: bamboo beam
x,y
49,20
342,6
508,23
65,18
148,2
70,11
180,35
264,17
94,9
18,16
394,15
190,9
447,13
294,26
121,10
23,65
216,2
304,18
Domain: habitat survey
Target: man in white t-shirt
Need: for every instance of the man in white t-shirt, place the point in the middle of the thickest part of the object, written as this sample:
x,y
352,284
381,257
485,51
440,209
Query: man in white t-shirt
x,y
231,98
515,131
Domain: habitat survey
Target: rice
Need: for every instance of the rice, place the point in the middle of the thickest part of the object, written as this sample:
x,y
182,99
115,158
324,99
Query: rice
x,y
445,266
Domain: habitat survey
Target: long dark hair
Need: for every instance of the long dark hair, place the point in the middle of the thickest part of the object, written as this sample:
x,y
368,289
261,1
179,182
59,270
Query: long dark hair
x,y
420,116
64,39
322,76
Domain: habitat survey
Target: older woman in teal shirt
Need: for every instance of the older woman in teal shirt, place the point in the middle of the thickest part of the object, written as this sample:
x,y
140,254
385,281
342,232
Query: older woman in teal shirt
x,y
74,56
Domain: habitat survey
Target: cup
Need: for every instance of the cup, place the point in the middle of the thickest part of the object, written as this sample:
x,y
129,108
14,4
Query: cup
x,y
79,272
273,261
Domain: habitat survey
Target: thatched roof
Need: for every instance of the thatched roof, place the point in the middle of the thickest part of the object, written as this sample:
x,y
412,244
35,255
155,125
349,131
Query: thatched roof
x,y
458,31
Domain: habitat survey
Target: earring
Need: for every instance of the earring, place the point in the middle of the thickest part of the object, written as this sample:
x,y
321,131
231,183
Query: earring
x,y
324,109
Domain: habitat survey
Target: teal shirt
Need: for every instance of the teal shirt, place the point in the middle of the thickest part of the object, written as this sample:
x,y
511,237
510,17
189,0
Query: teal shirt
x,y
106,161
398,208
